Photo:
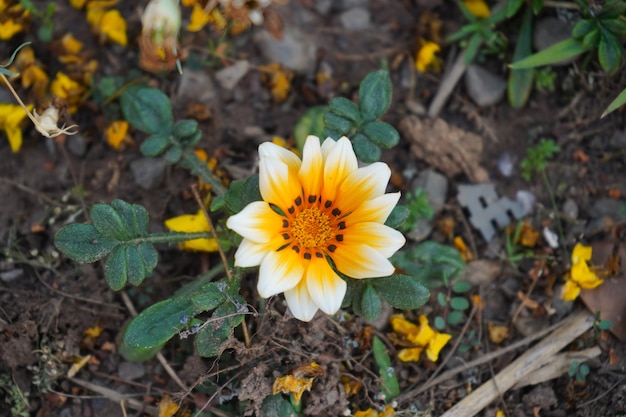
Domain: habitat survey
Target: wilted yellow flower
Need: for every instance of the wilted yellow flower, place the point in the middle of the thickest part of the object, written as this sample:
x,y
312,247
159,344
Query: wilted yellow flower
x,y
78,4
316,212
422,337
29,72
427,57
64,87
113,27
9,28
478,8
71,45
278,80
158,44
12,19
580,275
11,116
370,412
299,379
116,134
191,223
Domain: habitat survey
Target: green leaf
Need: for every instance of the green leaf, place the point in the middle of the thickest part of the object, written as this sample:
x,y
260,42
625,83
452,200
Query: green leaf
x,y
241,193
332,133
609,52
439,323
389,386
364,149
158,323
397,217
155,145
591,39
277,406
136,270
108,222
618,102
371,303
338,123
173,154
134,217
520,81
402,291
310,123
374,95
191,140
435,261
605,325
345,108
616,26
184,128
210,340
512,7
135,354
583,27
150,257
381,134
459,303
115,268
461,287
83,243
442,299
537,6
558,52
472,47
210,296
455,317
147,109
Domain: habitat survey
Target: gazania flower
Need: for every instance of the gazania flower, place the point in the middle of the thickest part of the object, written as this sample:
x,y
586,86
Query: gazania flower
x,y
316,212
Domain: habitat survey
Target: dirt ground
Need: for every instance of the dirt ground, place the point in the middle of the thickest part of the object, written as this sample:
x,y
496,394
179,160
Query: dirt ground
x,y
48,303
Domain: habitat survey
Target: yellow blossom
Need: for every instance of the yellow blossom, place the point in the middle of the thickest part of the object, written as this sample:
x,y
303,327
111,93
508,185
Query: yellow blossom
x,y
11,116
198,20
64,87
370,412
71,45
116,134
113,27
78,4
580,275
191,223
299,379
9,28
30,74
427,57
421,337
278,79
478,8
317,214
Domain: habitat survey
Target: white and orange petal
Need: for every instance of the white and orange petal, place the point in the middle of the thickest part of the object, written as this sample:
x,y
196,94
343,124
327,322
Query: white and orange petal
x,y
363,184
300,302
278,183
361,261
338,164
375,210
280,271
383,238
311,172
326,288
256,222
269,150
250,253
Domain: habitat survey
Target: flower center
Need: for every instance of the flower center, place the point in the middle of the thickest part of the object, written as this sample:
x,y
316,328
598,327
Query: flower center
x,y
311,228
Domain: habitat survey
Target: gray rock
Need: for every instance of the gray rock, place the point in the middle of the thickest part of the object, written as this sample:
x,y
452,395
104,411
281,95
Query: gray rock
x,y
131,370
11,275
349,4
549,31
195,86
295,50
570,209
355,19
436,187
483,86
76,145
608,207
323,6
527,326
541,396
228,77
148,172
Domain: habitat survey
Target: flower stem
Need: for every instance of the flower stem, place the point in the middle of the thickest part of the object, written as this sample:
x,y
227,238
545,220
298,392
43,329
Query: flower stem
x,y
557,216
170,237
190,161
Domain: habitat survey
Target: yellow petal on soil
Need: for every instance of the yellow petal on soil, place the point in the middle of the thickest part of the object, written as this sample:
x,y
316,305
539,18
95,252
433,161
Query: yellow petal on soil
x,y
71,45
116,133
410,354
113,26
466,253
402,326
370,412
500,413
570,290
198,19
425,333
11,116
427,57
75,368
35,77
9,28
583,276
78,4
190,223
497,333
93,332
167,407
189,3
478,8
436,344
581,253
289,384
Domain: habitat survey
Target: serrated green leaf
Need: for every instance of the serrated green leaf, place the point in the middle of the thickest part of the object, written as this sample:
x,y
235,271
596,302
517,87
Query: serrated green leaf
x,y
618,102
310,123
558,52
108,222
158,323
173,154
459,303
402,291
83,243
155,145
455,317
583,27
210,296
389,386
381,134
461,287
147,109
374,95
115,271
609,52
184,128
345,108
397,217
364,149
338,123
520,82
371,304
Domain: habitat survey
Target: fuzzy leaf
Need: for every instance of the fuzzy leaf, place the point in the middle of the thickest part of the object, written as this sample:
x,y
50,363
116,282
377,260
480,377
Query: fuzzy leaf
x,y
389,385
83,243
345,108
402,291
371,303
364,149
155,145
374,95
397,217
147,109
381,134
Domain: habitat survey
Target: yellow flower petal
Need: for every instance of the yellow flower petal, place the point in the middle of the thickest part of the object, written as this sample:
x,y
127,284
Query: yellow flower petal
x,y
71,45
369,182
300,302
361,261
325,287
9,28
14,136
113,27
11,116
425,333
37,78
198,19
78,4
190,223
427,56
581,253
280,271
410,354
116,133
402,326
571,290
478,8
299,380
370,412
436,344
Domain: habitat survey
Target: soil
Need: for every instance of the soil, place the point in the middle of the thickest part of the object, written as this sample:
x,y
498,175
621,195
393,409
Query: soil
x,y
49,304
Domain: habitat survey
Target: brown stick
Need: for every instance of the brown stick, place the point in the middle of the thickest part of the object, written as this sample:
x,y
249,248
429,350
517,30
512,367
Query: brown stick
x,y
530,361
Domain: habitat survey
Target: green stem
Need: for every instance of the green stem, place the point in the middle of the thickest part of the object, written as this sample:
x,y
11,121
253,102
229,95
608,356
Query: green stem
x,y
557,216
171,237
297,406
190,161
